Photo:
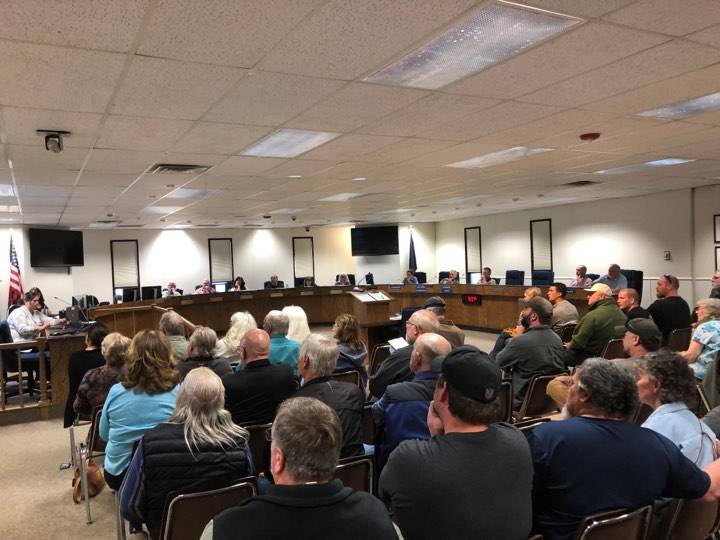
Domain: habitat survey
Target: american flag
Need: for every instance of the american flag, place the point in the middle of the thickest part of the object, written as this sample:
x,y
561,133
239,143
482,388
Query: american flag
x,y
15,290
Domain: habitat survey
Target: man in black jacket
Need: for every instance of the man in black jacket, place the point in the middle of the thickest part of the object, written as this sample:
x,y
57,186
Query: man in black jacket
x,y
396,368
305,501
253,394
316,362
670,311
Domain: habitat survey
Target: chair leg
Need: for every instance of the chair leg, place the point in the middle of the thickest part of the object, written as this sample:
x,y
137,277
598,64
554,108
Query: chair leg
x,y
119,519
82,456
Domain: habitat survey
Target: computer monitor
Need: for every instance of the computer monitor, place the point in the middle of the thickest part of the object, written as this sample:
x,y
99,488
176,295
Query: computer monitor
x,y
151,292
129,294
474,277
220,286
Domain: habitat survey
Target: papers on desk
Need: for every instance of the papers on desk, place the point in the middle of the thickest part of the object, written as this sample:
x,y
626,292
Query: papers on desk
x,y
364,297
378,295
398,343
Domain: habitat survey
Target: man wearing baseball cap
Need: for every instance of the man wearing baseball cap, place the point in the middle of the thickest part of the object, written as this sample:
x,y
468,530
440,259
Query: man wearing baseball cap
x,y
640,337
597,327
434,488
447,329
537,351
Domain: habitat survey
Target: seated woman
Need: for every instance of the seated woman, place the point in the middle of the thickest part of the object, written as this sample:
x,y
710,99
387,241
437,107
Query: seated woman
x,y
229,346
200,353
705,342
353,353
97,382
667,385
80,363
197,448
506,334
342,279
238,285
144,398
452,279
298,328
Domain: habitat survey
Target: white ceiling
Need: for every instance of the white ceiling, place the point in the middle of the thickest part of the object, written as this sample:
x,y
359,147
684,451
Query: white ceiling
x,y
180,81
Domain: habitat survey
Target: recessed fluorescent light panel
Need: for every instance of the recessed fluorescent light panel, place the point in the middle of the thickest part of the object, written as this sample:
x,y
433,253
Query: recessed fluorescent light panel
x,y
498,158
162,209
190,193
341,197
647,165
488,35
685,109
6,190
288,143
287,211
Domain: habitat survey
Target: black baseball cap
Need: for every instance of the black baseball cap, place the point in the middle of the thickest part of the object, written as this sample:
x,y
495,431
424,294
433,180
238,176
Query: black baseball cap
x,y
646,329
471,372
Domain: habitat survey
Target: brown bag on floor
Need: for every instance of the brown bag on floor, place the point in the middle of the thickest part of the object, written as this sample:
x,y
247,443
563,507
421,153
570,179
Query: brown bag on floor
x,y
96,481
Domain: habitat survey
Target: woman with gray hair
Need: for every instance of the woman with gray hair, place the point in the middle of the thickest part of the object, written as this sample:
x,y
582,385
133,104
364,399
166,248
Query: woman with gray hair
x,y
200,353
298,328
229,346
198,448
705,343
667,384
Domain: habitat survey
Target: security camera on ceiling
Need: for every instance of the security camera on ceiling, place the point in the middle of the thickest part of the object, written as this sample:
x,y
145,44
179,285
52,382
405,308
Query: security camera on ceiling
x,y
53,139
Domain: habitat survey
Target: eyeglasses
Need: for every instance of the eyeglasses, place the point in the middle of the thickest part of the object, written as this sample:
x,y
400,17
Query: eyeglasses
x,y
268,435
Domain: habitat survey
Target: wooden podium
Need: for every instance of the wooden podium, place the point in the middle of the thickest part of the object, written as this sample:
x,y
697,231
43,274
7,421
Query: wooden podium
x,y
372,311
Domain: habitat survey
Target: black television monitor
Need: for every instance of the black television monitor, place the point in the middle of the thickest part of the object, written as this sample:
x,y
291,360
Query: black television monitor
x,y
129,294
374,240
151,292
55,247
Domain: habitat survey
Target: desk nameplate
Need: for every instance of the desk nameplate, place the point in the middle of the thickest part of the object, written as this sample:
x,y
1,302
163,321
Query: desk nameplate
x,y
276,295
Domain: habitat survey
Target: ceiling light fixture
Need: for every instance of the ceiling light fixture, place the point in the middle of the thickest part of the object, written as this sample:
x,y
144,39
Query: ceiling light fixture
x,y
341,197
488,35
687,108
359,179
295,176
647,165
498,158
6,190
289,143
286,211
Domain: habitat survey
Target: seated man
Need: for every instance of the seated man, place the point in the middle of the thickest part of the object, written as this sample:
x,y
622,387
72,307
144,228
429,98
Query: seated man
x,y
447,329
200,353
598,461
452,279
670,311
628,301
486,278
253,394
410,278
396,367
205,288
613,279
305,501
537,351
282,349
473,478
581,280
171,290
401,412
563,312
596,327
318,358
342,280
274,283
172,325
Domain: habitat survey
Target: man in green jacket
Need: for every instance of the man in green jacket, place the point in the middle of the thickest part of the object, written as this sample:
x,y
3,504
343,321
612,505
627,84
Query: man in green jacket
x,y
597,327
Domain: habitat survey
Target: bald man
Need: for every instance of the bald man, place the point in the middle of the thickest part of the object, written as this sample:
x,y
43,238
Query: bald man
x,y
401,413
252,395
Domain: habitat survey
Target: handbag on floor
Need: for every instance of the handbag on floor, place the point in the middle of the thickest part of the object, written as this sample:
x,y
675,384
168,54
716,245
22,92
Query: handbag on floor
x,y
96,481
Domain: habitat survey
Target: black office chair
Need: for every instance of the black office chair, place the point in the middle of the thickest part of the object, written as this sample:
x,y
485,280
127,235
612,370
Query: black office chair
x,y
593,276
299,282
421,277
281,285
514,277
443,275
351,278
634,279
405,314
151,292
543,278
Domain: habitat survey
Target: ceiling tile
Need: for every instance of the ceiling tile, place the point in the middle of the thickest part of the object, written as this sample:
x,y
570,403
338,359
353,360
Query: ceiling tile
x,y
349,147
709,36
121,161
426,114
297,167
41,76
211,138
35,158
406,149
269,99
134,133
245,166
674,17
100,24
582,8
91,178
48,177
170,89
656,64
235,33
20,124
364,36
596,43
355,105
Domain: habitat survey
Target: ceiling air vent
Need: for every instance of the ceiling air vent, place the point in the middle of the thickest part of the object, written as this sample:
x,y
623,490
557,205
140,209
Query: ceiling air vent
x,y
177,168
107,221
207,225
581,183
130,225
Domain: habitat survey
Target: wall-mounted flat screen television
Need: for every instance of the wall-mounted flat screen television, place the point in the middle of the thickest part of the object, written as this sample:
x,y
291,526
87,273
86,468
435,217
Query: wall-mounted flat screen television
x,y
54,247
374,240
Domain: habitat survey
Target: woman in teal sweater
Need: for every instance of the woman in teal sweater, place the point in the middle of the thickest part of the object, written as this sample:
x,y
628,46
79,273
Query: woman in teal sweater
x,y
144,398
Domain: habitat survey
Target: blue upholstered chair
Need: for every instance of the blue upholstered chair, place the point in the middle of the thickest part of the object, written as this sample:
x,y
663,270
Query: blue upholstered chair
x,y
514,277
443,275
593,276
543,278
634,279
421,277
